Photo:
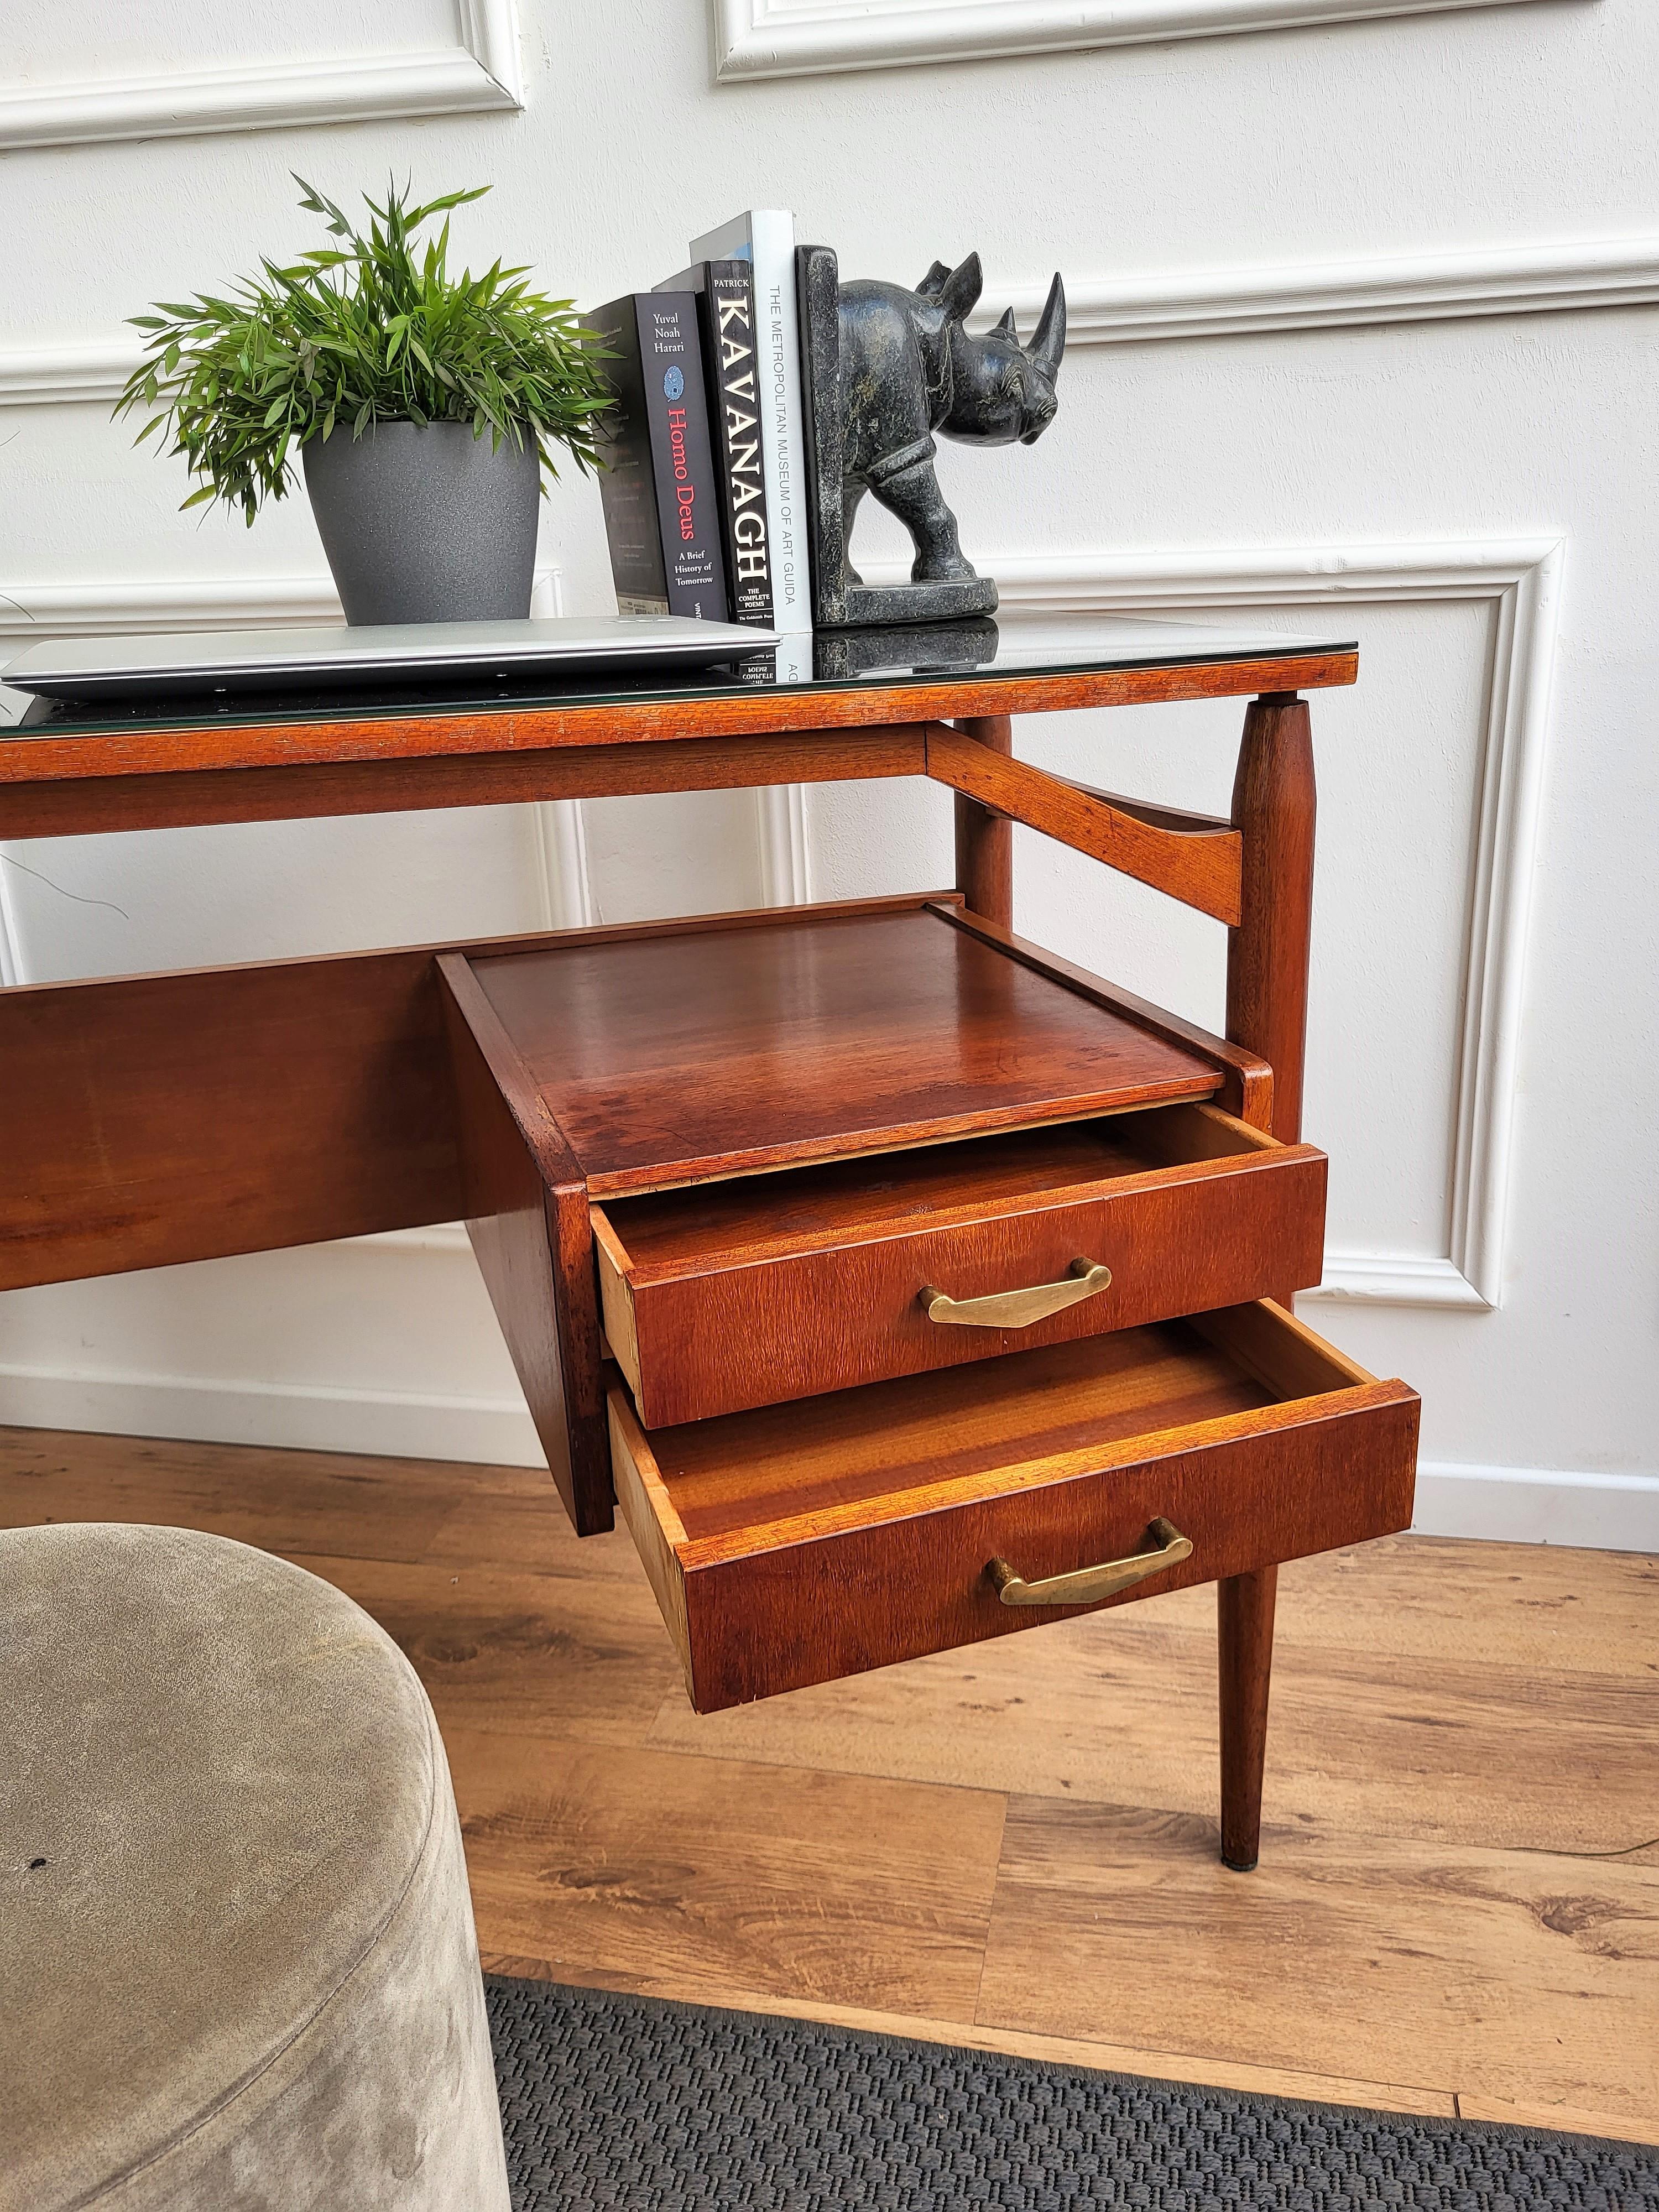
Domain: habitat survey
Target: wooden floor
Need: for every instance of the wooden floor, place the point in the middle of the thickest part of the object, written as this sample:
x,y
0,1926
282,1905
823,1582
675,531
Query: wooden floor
x,y
1016,1845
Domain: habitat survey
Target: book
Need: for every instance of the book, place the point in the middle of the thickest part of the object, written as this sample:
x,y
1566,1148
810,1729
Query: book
x,y
725,295
765,238
661,514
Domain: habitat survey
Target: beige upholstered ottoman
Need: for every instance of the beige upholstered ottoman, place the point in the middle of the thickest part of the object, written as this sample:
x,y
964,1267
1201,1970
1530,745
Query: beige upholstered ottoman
x,y
237,1961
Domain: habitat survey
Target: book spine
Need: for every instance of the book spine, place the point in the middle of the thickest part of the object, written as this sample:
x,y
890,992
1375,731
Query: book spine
x,y
778,344
671,358
627,488
733,380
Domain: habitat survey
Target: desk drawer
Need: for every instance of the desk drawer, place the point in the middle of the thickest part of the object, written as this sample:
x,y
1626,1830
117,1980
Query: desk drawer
x,y
771,1287
800,1544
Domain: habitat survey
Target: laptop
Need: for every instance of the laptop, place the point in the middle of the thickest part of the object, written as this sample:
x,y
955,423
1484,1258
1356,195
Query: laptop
x,y
342,657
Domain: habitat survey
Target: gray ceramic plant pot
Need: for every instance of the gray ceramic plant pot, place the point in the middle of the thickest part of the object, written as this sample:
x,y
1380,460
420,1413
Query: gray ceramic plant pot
x,y
423,522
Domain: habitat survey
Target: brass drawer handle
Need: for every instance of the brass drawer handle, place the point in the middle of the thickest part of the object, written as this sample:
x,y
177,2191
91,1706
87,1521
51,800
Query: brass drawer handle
x,y
1019,1308
1090,1584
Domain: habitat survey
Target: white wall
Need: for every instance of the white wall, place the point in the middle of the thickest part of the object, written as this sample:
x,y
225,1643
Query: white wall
x,y
1363,340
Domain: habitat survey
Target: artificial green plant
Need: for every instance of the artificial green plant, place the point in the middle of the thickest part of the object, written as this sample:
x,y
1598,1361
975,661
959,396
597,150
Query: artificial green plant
x,y
373,330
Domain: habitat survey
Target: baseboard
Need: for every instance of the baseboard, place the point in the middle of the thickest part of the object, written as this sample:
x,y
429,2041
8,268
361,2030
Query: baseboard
x,y
1538,1505
393,1425
1508,1505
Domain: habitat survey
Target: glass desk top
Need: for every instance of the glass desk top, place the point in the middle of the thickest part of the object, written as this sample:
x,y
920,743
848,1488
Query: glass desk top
x,y
832,661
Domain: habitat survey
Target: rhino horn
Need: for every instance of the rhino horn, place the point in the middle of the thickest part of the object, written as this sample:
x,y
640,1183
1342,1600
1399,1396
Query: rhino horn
x,y
1049,341
1007,325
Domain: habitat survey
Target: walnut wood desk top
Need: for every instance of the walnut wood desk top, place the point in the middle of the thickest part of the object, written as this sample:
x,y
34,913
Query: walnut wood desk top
x,y
68,769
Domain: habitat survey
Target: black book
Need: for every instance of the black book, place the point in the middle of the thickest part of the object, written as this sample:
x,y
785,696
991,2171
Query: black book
x,y
658,484
726,294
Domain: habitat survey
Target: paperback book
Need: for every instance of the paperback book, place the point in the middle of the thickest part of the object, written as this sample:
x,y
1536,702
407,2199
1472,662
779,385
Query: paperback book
x,y
765,239
657,486
725,297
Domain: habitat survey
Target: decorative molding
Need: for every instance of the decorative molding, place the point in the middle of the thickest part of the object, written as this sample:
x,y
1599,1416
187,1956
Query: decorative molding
x,y
1398,1279
1507,1504
11,973
1539,279
1549,279
99,608
812,38
785,854
66,375
568,898
1538,1505
1520,580
482,72
304,1417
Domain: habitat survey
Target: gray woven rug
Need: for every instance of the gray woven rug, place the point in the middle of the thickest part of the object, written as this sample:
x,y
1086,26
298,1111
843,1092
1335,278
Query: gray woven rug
x,y
622,2104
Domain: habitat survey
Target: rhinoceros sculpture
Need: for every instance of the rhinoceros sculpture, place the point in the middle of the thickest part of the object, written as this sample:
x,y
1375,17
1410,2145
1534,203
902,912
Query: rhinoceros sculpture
x,y
909,368
895,368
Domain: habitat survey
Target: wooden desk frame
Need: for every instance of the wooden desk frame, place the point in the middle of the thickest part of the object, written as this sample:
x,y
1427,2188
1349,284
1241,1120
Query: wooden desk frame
x,y
159,1119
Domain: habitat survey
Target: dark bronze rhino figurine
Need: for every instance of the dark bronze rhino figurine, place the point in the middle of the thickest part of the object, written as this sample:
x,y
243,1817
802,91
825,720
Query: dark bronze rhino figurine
x,y
894,368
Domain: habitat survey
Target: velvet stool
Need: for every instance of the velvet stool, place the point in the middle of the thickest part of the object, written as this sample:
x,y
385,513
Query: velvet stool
x,y
238,1970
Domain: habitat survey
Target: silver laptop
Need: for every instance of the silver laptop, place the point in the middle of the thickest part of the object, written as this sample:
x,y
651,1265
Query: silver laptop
x,y
389,654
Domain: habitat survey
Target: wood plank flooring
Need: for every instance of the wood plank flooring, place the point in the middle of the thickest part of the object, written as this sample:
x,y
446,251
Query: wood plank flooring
x,y
1014,1847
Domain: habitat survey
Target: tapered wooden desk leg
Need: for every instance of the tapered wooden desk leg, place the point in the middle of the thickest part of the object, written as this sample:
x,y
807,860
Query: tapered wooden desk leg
x,y
1245,1620
985,840
1274,809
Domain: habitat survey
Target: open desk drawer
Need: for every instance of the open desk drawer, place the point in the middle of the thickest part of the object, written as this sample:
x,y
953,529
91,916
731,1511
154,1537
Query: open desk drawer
x,y
800,1543
742,1293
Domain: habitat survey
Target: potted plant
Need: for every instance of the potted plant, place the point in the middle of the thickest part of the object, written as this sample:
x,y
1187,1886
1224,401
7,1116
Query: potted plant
x,y
424,408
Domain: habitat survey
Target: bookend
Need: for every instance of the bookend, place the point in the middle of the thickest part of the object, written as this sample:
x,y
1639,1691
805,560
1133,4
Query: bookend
x,y
924,648
882,368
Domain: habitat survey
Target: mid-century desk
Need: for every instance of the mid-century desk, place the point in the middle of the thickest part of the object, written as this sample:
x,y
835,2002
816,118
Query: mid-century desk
x,y
903,1284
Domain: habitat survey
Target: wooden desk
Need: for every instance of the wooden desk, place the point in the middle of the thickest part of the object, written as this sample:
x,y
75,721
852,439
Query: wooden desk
x,y
794,1221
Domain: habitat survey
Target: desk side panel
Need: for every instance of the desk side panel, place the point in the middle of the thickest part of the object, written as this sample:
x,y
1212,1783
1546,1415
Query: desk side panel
x,y
149,1119
526,1214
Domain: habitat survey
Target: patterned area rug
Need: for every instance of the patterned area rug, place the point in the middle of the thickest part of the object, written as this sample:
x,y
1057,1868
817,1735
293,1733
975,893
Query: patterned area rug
x,y
624,2104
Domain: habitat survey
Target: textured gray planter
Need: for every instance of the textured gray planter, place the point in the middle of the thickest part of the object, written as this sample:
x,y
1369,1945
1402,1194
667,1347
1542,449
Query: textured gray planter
x,y
425,523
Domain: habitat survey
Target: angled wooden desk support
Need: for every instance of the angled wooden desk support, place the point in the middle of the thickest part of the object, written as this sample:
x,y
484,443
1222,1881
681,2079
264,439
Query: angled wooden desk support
x,y
902,1284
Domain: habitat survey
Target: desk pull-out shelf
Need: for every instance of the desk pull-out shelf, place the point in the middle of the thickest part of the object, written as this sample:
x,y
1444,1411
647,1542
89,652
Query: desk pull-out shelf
x,y
743,1293
797,1544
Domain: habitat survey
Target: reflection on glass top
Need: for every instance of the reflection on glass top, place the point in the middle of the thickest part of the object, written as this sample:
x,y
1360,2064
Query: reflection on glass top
x,y
936,653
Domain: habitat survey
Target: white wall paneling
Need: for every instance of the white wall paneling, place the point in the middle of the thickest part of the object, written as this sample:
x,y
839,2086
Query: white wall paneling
x,y
1549,277
807,37
480,71
1519,580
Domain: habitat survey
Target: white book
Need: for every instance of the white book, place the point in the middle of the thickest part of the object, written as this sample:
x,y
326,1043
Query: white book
x,y
765,237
